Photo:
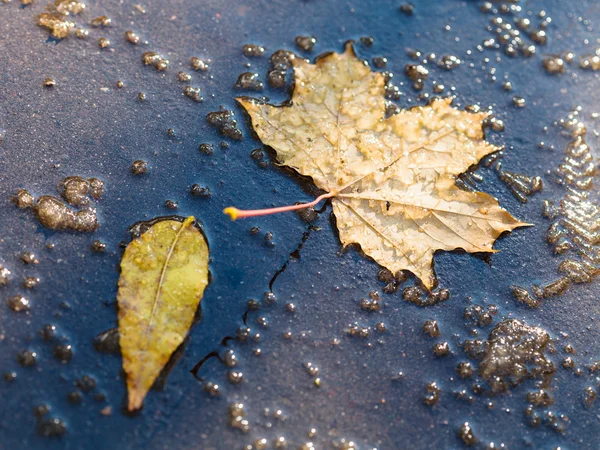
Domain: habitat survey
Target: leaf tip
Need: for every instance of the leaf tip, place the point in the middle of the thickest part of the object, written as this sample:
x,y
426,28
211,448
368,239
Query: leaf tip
x,y
232,212
135,400
520,224
349,48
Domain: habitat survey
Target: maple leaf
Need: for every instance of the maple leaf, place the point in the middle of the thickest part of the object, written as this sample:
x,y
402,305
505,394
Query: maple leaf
x,y
391,180
163,275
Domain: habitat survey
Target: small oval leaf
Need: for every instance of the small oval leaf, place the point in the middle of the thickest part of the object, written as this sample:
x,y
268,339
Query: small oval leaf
x,y
164,272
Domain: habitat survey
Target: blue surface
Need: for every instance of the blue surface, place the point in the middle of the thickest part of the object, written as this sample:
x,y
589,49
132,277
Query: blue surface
x,y
76,128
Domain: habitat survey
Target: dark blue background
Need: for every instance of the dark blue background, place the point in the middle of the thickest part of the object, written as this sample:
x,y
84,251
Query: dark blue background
x,y
76,128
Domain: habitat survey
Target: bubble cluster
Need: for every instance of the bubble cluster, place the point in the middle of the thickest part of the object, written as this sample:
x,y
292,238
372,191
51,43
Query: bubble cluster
x,y
18,303
5,274
155,60
23,199
198,64
237,417
58,25
281,63
513,353
30,282
194,93
253,50
139,167
466,434
224,121
53,213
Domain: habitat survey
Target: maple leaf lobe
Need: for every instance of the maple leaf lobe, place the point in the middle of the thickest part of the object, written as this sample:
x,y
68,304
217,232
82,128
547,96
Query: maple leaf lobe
x,y
393,178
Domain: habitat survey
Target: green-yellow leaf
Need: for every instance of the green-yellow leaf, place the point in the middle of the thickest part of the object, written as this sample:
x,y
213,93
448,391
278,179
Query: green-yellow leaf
x,y
163,275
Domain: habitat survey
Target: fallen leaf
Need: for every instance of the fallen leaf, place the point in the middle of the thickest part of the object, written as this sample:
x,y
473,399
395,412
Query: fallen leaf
x,y
164,272
392,181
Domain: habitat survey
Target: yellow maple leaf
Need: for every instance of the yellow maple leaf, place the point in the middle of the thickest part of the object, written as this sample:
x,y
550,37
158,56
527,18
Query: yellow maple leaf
x,y
163,275
392,181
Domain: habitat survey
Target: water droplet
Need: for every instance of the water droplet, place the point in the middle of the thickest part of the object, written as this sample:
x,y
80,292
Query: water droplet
x,y
407,8
554,64
52,427
199,64
441,349
212,389
9,377
86,383
47,332
18,303
103,42
305,43
253,50
4,276
101,22
235,377
58,26
132,38
249,81
207,149
184,77
519,102
155,60
63,353
194,93
170,204
199,191
27,358
465,432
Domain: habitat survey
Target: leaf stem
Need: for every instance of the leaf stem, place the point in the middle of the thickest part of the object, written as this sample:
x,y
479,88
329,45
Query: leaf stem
x,y
235,213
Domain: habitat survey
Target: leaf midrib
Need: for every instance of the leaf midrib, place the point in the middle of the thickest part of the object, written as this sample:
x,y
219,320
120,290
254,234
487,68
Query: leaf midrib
x,y
163,272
